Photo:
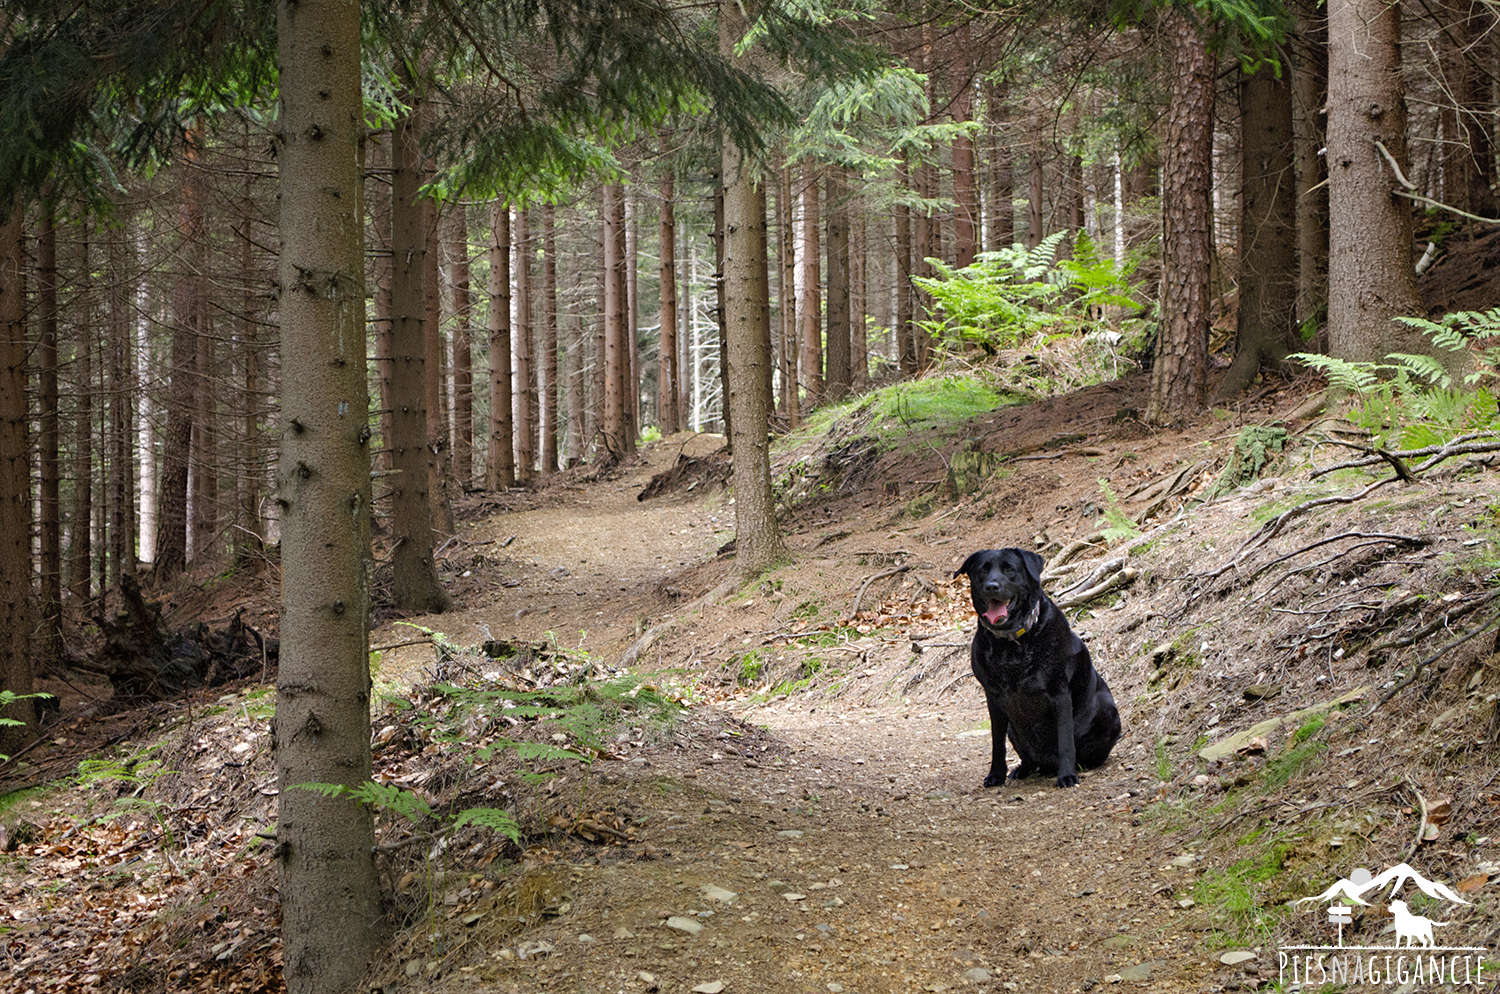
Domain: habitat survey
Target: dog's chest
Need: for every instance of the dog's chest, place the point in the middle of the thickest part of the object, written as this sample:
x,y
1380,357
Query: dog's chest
x,y
1017,668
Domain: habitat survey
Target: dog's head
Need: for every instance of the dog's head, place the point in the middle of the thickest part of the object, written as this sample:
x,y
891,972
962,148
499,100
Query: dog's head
x,y
1006,587
1398,908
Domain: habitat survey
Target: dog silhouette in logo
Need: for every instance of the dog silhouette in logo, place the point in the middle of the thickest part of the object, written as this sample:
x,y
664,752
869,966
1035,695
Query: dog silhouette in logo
x,y
1410,926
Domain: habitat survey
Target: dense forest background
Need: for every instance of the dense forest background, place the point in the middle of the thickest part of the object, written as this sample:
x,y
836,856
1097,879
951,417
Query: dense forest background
x,y
564,208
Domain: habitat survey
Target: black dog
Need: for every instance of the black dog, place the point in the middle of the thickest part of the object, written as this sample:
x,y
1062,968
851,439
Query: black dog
x,y
1039,682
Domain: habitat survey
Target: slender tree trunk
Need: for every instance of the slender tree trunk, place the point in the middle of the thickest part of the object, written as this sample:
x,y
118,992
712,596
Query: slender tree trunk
x,y
906,332
759,545
414,580
81,557
439,447
1370,276
330,895
668,373
1309,46
811,305
965,191
786,295
1002,229
463,349
121,453
182,397
250,481
547,392
382,160
613,421
573,389
204,475
523,399
16,620
49,441
500,463
859,346
1035,222
632,392
840,374
1267,322
721,315
1179,374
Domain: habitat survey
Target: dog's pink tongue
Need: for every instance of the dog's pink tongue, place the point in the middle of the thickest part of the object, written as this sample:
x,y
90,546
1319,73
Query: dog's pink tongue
x,y
998,612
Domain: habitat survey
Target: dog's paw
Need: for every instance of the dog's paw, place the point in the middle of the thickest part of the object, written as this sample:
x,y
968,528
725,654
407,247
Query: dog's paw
x,y
995,779
1067,780
1022,772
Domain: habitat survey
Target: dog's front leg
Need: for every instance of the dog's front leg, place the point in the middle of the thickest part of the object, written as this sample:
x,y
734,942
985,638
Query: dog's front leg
x,y
1067,759
999,726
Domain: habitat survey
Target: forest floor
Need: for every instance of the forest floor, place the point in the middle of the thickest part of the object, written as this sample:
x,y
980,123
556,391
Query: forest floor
x,y
808,816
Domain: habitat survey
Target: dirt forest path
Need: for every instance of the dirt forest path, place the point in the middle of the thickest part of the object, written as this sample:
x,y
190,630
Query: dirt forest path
x,y
804,845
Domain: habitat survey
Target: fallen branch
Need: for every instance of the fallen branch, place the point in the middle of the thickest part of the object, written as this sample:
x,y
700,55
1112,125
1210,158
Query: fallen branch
x,y
1416,670
1099,573
1120,579
1320,563
893,571
1441,621
1272,528
1380,536
1070,550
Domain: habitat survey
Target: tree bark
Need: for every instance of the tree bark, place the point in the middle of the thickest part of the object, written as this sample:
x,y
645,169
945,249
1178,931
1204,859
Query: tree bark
x,y
1267,323
500,460
1370,276
330,896
463,349
49,467
906,333
434,382
121,420
547,392
965,192
840,374
1309,46
523,397
1179,374
759,545
613,421
786,297
15,489
811,304
1002,227
81,548
668,372
414,580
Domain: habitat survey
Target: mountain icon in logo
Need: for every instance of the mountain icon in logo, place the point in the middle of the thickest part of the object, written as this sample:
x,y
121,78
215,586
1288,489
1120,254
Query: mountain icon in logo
x,y
1362,882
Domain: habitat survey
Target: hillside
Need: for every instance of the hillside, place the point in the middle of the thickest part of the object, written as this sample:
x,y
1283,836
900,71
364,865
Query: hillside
x,y
788,800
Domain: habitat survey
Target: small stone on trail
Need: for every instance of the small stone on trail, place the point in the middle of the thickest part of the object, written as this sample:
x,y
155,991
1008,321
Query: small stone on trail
x,y
689,925
645,978
712,987
624,933
1141,971
534,949
712,892
1237,956
977,975
790,833
793,897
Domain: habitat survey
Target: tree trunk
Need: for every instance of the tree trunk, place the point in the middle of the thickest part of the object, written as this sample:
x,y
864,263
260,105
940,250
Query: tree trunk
x,y
811,304
1002,229
121,426
15,489
1370,276
330,895
49,526
250,481
859,346
81,554
632,391
786,297
668,372
906,332
439,448
1469,162
759,545
1267,323
1035,223
463,349
1179,374
182,397
1309,47
547,392
523,398
203,466
613,419
840,375
414,580
500,461
965,193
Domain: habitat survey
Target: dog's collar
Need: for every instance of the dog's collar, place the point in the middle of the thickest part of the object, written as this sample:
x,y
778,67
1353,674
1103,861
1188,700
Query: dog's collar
x,y
1016,633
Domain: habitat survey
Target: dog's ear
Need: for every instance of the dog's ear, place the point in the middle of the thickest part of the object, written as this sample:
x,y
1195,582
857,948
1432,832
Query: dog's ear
x,y
1034,564
969,563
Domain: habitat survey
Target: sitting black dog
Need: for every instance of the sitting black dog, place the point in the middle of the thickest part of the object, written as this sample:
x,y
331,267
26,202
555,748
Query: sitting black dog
x,y
1039,682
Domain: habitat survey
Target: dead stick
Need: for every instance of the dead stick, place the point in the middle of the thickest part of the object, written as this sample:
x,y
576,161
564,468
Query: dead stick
x,y
1416,670
878,576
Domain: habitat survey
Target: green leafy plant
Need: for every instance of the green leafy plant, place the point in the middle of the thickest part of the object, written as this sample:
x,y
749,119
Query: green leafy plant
x,y
7,698
415,809
1116,523
1414,400
1010,294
